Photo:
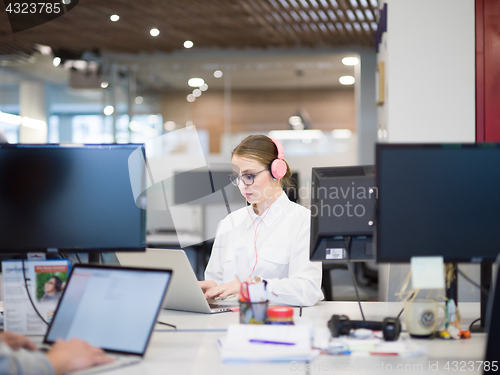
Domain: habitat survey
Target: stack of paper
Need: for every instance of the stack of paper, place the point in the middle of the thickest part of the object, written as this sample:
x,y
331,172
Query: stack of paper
x,y
246,342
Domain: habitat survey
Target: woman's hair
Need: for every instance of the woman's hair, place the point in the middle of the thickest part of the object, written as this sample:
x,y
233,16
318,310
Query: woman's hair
x,y
58,283
262,149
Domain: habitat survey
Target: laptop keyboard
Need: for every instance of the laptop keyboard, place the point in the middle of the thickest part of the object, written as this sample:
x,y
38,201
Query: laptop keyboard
x,y
120,361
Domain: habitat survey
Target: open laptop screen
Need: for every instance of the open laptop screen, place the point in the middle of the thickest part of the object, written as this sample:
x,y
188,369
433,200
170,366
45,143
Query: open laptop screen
x,y
114,308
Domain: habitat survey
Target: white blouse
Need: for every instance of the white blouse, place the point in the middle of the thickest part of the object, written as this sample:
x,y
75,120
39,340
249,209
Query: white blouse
x,y
282,252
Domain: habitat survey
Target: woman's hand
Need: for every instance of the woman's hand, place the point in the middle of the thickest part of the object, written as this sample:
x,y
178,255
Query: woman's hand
x,y
223,290
206,285
73,355
16,341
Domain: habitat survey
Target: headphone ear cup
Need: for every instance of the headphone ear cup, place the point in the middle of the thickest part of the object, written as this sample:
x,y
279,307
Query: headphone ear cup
x,y
278,169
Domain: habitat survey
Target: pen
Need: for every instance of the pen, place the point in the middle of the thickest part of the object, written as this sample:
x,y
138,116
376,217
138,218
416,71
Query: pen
x,y
270,342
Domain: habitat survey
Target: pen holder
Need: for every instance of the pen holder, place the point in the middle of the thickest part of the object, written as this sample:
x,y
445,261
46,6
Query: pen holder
x,y
253,312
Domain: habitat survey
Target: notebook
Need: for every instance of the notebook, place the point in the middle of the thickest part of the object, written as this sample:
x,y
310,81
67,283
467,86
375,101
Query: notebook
x,y
184,293
111,307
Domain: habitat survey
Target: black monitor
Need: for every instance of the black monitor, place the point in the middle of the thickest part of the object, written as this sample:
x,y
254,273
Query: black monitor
x,y
441,200
68,199
342,213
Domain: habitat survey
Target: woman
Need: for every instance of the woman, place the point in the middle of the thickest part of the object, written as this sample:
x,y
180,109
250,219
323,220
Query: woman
x,y
52,289
268,240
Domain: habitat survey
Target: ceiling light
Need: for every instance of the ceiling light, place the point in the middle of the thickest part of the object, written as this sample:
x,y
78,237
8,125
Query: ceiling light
x,y
188,44
108,110
296,134
169,125
10,119
350,61
347,80
104,84
196,82
139,100
114,17
154,32
204,87
34,124
341,133
295,120
191,98
218,74
56,61
66,2
44,50
197,92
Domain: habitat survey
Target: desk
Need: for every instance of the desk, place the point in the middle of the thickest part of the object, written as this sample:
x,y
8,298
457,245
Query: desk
x,y
196,353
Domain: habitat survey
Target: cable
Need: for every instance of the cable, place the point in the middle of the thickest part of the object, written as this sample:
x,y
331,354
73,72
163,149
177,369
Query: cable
x,y
347,243
166,324
483,290
29,295
475,321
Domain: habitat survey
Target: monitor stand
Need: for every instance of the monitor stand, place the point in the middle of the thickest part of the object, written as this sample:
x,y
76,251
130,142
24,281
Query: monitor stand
x,y
94,258
486,278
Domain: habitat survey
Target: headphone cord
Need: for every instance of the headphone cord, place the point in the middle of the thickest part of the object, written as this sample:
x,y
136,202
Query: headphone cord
x,y
256,229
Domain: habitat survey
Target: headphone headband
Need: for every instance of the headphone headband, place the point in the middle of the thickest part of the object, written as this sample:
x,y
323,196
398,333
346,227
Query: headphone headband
x,y
279,147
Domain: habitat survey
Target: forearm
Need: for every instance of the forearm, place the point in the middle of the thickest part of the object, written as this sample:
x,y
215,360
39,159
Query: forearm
x,y
23,362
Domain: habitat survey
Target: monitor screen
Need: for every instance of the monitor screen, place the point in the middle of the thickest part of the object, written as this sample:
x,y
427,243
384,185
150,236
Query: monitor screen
x,y
68,199
342,205
438,200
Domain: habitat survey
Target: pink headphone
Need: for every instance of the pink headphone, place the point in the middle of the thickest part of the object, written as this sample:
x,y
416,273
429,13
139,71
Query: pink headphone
x,y
278,166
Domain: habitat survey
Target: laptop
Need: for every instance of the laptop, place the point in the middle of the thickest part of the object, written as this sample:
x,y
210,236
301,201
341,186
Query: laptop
x,y
184,293
111,307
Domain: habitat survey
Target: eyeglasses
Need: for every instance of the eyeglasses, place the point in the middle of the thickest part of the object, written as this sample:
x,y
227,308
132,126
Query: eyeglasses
x,y
248,179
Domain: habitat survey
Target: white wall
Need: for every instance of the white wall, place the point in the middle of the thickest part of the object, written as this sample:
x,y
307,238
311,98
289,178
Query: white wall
x,y
429,54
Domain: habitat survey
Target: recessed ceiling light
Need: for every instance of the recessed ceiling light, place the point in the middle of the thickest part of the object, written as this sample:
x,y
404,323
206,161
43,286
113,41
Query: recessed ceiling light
x,y
351,60
169,125
204,87
114,17
218,74
108,110
191,98
139,100
154,32
56,61
188,44
196,82
197,92
347,80
104,84
295,120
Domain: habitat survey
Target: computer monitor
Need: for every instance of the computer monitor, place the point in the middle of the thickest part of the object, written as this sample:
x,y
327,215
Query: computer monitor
x,y
440,200
68,199
342,213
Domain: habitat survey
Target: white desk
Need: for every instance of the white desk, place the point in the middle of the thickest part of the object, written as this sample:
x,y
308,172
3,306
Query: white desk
x,y
195,353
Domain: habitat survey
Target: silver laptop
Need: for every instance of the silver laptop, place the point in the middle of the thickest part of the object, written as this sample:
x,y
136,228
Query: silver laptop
x,y
113,308
184,292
